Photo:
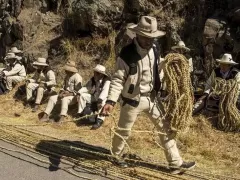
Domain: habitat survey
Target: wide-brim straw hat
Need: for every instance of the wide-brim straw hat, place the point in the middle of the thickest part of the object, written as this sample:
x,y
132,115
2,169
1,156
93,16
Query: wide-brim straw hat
x,y
15,50
11,56
226,59
100,69
41,62
71,67
180,45
147,27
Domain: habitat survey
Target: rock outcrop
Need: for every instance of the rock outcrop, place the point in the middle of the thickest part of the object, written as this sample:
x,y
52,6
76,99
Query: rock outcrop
x,y
209,27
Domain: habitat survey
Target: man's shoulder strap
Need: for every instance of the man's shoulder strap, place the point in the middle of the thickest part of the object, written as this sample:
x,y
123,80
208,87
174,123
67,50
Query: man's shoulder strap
x,y
234,72
156,50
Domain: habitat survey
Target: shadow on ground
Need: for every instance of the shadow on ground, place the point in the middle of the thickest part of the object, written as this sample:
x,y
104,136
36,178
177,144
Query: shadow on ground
x,y
81,151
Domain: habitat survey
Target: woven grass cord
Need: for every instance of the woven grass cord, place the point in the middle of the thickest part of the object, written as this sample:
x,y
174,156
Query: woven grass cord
x,y
179,105
229,115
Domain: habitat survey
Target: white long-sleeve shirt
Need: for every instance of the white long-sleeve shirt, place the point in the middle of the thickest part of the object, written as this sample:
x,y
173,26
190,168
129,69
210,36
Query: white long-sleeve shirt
x,y
98,90
17,70
49,78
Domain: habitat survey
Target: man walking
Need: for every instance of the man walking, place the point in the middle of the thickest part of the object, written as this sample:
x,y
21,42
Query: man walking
x,y
137,81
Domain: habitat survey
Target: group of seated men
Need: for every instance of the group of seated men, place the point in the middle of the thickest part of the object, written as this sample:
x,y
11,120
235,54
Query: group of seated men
x,y
90,97
226,70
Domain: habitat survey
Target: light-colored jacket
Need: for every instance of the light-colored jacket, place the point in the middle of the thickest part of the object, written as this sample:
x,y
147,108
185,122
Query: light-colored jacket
x,y
16,70
142,81
99,90
49,78
211,82
73,83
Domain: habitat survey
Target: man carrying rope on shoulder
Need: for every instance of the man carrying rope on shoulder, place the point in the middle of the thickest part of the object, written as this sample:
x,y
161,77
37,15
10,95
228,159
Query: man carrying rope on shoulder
x,y
225,71
137,81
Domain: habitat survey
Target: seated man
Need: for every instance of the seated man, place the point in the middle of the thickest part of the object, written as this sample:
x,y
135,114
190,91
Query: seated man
x,y
225,71
15,72
43,81
95,92
72,83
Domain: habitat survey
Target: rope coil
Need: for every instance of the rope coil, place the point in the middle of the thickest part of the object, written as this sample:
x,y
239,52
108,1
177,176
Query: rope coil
x,y
179,104
229,115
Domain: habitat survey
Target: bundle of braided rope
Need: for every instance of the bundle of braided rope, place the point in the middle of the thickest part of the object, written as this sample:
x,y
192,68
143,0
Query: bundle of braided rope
x,y
178,107
229,115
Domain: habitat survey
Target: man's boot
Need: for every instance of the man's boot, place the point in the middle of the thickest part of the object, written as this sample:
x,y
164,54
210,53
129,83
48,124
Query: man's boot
x,y
61,119
26,105
45,118
35,108
186,166
97,124
7,91
120,162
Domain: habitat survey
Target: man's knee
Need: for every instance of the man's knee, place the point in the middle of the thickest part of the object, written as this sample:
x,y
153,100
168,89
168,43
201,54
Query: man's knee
x,y
8,78
53,98
67,100
40,89
30,86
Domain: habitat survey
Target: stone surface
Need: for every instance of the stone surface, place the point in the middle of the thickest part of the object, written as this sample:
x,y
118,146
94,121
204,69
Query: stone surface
x,y
97,16
209,27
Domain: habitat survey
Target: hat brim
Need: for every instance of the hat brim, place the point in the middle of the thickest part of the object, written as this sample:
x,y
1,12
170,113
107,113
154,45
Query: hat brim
x,y
101,72
138,31
19,51
226,62
8,58
180,47
70,69
40,64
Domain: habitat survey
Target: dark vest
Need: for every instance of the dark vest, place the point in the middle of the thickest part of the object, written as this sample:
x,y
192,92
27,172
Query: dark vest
x,y
105,78
231,75
131,57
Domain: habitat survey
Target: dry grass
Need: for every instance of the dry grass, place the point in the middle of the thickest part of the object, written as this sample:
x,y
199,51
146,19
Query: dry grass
x,y
87,52
214,151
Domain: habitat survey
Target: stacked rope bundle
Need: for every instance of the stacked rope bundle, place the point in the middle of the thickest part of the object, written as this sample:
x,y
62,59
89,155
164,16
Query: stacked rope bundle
x,y
179,103
229,115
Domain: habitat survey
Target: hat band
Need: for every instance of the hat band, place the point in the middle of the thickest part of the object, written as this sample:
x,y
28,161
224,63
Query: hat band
x,y
147,30
70,65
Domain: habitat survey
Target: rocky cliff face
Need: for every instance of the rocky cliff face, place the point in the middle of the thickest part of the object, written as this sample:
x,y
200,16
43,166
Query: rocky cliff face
x,y
208,27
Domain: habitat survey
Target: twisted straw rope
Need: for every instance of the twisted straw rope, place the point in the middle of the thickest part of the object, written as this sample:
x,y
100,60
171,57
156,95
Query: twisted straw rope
x,y
229,115
180,98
